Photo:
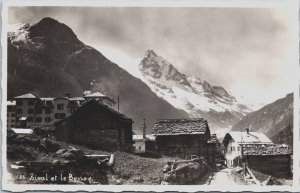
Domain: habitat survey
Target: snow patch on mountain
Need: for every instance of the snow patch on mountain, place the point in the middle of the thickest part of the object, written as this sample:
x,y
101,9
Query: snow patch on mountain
x,y
189,93
18,33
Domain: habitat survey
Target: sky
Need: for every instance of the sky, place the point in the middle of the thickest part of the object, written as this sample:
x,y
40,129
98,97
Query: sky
x,y
251,52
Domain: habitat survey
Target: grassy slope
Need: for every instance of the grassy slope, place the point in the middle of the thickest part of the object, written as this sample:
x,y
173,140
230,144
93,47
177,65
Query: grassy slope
x,y
127,169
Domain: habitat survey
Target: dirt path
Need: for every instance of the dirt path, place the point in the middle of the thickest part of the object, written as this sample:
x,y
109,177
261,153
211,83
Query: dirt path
x,y
219,178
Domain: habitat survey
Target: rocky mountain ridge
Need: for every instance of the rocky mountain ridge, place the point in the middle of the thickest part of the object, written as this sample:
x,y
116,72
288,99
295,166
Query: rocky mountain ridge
x,y
192,94
275,120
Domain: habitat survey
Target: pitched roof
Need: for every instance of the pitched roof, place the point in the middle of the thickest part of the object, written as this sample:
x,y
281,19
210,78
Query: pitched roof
x,y
180,126
76,99
11,103
140,137
96,103
71,98
95,94
251,138
23,118
26,96
267,150
22,131
47,98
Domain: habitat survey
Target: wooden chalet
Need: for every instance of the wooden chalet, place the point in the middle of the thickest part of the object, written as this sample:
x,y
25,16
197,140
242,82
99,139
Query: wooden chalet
x,y
273,160
96,125
182,137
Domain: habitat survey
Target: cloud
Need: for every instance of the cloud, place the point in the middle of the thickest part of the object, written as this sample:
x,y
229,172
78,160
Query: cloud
x,y
246,50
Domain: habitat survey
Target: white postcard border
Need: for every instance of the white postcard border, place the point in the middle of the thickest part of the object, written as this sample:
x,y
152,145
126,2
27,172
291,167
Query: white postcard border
x,y
291,4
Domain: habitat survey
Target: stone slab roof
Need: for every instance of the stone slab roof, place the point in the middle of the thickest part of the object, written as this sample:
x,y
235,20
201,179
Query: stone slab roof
x,y
180,126
259,150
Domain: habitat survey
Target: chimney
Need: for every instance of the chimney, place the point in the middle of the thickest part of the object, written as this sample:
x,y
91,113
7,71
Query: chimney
x,y
247,129
67,95
87,92
144,129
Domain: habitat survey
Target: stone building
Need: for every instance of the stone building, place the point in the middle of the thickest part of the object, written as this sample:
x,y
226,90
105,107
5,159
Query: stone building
x,y
11,114
29,110
235,141
144,143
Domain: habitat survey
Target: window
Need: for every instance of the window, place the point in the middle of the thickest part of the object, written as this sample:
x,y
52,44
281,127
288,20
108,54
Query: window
x,y
19,111
60,106
19,102
30,102
30,119
48,103
48,111
233,148
7,114
72,103
59,115
10,108
38,111
239,148
30,111
38,119
47,119
13,115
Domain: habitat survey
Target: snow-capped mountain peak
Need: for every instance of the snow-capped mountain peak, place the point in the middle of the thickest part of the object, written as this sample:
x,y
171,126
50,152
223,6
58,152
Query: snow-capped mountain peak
x,y
156,67
189,93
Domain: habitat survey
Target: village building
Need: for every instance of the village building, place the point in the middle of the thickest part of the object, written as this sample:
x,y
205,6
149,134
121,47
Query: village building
x,y
88,95
183,137
11,114
26,111
274,160
29,110
143,143
236,141
96,125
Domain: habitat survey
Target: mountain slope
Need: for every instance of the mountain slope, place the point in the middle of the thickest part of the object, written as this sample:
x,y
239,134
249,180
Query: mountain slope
x,y
275,120
48,59
193,95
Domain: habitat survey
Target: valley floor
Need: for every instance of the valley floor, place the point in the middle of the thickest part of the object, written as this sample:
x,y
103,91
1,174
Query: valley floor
x,y
127,169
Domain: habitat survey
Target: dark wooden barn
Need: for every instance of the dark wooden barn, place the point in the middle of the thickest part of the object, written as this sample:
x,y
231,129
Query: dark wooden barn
x,y
182,137
97,126
272,160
